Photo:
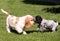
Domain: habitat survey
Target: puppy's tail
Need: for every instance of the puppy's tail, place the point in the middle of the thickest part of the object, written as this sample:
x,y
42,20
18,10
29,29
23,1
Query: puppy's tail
x,y
58,23
5,12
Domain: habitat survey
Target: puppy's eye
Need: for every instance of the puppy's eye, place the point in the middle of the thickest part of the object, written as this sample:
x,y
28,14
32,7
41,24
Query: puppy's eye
x,y
31,20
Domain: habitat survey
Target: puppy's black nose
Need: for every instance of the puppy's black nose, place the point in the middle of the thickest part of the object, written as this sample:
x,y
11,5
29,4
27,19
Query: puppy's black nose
x,y
34,20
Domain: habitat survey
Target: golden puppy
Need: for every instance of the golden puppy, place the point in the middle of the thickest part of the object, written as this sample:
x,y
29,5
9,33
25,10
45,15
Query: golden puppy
x,y
18,23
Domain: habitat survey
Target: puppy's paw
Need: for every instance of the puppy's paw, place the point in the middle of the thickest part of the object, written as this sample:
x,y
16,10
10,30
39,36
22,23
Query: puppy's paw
x,y
9,32
37,29
24,33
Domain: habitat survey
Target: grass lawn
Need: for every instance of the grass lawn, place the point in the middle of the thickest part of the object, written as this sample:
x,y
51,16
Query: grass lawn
x,y
20,8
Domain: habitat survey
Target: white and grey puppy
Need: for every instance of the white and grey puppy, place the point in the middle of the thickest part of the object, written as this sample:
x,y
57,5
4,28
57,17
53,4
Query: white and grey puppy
x,y
43,23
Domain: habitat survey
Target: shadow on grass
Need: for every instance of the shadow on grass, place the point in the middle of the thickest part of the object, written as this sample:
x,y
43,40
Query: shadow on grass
x,y
30,31
52,10
14,31
40,2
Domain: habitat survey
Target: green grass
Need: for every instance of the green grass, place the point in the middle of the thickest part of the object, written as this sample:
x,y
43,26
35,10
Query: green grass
x,y
19,8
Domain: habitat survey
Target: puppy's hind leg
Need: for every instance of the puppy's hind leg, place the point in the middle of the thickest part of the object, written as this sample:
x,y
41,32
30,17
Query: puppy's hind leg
x,y
54,29
7,26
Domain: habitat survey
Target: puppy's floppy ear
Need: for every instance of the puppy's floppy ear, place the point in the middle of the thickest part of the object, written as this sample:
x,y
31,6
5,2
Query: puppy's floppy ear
x,y
27,22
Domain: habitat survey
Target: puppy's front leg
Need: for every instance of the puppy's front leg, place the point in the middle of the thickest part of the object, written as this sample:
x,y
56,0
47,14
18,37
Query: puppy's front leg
x,y
41,28
38,28
24,32
18,29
